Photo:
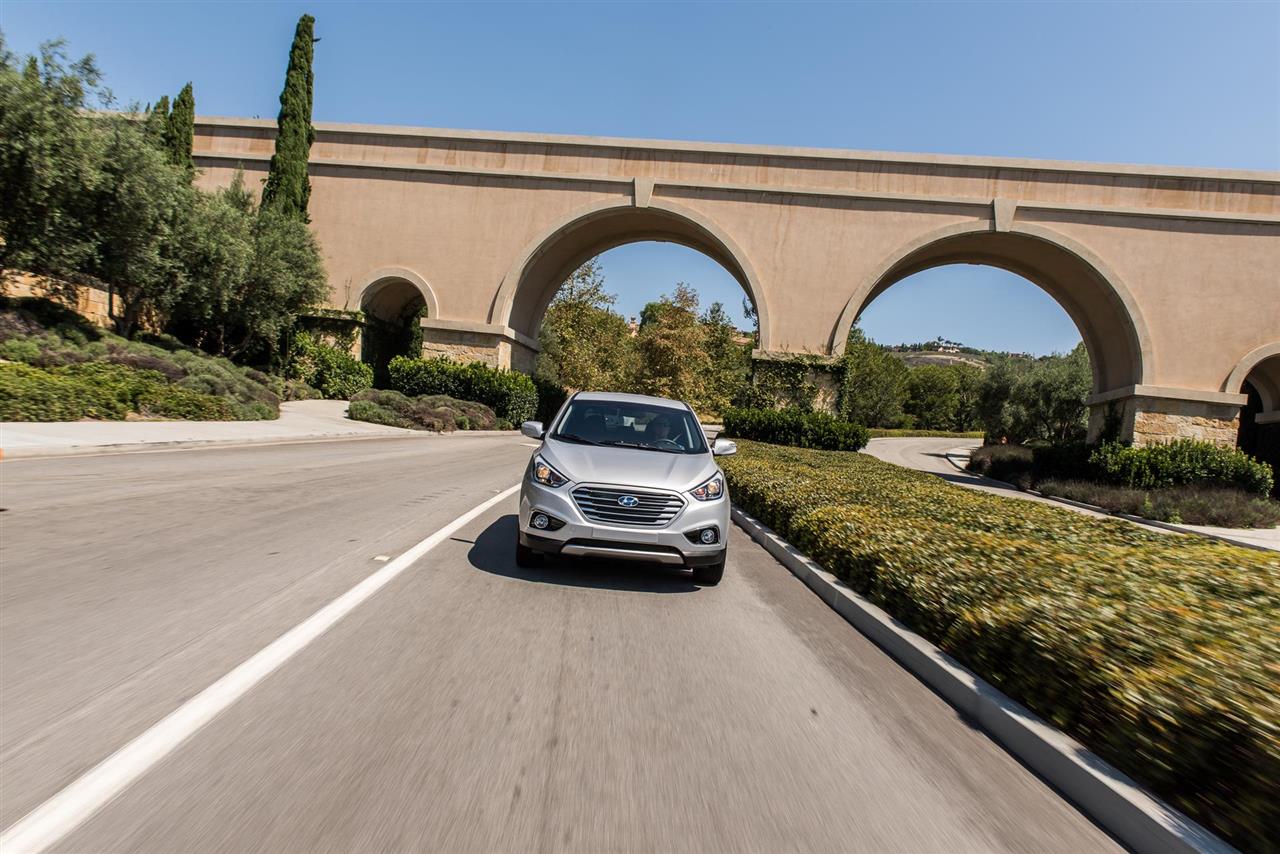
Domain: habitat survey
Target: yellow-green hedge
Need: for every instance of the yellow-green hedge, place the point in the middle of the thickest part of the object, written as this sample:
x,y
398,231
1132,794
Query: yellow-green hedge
x,y
1160,652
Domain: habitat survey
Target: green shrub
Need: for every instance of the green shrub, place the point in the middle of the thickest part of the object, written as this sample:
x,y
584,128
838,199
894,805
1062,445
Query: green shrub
x,y
86,366
511,395
32,394
174,401
1181,462
425,412
551,396
795,427
1010,463
911,433
335,372
1156,651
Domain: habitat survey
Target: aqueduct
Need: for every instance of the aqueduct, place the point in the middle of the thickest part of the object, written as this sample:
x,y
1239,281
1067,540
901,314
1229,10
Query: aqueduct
x,y
1172,275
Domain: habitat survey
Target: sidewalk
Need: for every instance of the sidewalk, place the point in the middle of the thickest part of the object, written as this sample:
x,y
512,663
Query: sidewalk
x,y
299,420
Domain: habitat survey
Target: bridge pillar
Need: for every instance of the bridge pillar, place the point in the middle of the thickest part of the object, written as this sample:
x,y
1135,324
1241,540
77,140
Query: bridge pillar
x,y
1147,415
466,341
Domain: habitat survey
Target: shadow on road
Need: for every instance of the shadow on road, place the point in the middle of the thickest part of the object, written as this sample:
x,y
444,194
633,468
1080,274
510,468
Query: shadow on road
x,y
494,552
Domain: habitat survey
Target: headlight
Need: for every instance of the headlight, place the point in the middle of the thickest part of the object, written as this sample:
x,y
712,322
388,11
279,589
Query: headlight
x,y
710,490
544,474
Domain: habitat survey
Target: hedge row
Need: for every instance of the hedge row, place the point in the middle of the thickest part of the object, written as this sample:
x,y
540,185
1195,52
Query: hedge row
x,y
511,395
795,427
1183,462
1158,652
427,412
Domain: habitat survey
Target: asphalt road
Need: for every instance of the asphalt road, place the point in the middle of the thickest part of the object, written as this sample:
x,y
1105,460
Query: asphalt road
x,y
469,705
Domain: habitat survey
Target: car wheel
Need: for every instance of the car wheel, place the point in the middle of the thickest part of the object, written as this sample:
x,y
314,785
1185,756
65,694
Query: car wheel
x,y
526,557
711,574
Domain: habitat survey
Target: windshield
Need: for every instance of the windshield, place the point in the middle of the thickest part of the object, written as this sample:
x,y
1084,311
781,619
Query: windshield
x,y
643,426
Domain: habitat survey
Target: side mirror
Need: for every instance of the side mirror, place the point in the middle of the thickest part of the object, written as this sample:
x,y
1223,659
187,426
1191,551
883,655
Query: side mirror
x,y
533,429
724,448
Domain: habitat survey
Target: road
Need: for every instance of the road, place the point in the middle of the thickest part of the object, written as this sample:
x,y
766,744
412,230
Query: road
x,y
468,705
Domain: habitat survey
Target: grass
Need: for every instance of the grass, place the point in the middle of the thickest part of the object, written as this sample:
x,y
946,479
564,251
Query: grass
x,y
1157,652
1185,505
904,433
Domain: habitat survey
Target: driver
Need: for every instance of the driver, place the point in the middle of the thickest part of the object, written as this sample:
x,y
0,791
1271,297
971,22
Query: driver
x,y
659,429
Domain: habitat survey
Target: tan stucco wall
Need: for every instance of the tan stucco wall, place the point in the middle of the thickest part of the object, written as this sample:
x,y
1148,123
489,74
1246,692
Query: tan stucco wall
x,y
1173,275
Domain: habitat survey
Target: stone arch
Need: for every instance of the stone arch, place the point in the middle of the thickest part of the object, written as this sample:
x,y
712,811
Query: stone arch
x,y
549,259
1095,298
1260,367
389,286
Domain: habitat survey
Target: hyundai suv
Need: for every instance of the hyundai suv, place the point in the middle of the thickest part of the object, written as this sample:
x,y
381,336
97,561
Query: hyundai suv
x,y
625,477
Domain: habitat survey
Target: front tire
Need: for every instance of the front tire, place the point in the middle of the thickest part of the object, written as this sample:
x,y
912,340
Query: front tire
x,y
526,557
710,575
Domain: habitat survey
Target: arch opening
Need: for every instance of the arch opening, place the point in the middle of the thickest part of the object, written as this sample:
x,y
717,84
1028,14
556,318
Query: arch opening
x,y
1259,432
548,263
392,307
1105,316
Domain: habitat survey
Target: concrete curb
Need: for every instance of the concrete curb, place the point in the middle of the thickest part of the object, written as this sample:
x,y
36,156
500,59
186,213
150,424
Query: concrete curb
x,y
954,458
1114,801
53,452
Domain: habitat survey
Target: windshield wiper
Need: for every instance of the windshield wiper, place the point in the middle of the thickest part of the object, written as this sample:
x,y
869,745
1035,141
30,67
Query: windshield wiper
x,y
573,437
621,444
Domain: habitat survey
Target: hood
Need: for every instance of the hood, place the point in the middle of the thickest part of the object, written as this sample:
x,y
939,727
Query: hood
x,y
628,466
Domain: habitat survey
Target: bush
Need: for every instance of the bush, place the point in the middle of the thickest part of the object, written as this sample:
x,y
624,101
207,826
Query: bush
x,y
335,372
1156,651
32,394
910,433
795,427
512,396
551,396
172,401
426,412
1010,463
1184,505
91,373
1181,462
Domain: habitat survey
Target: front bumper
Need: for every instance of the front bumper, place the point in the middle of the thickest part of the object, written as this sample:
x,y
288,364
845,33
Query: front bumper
x,y
584,538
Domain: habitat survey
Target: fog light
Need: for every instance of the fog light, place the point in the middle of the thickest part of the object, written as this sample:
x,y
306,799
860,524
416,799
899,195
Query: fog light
x,y
708,536
540,521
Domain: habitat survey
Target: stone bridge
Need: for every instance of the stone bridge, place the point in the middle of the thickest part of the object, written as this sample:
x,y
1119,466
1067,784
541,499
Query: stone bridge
x,y
1171,275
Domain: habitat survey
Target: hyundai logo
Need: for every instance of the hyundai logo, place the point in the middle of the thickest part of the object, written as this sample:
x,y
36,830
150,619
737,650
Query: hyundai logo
x,y
628,500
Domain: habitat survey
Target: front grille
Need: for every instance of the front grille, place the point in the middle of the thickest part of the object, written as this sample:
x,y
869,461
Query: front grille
x,y
652,510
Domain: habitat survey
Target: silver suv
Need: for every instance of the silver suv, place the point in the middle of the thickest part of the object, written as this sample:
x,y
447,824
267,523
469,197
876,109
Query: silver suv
x,y
625,477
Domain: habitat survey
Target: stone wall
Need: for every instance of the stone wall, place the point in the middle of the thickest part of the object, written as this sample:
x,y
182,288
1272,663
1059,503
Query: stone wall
x,y
92,301
1150,420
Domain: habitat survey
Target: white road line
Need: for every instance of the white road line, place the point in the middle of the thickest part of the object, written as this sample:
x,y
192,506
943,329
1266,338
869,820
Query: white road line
x,y
67,810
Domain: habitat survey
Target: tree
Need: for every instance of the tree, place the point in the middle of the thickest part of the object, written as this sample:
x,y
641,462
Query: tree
x,y
728,361
157,122
50,161
288,189
933,397
180,129
873,387
673,354
1043,400
968,385
586,345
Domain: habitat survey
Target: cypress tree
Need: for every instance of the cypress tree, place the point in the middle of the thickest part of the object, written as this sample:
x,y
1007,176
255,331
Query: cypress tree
x,y
157,124
288,189
180,129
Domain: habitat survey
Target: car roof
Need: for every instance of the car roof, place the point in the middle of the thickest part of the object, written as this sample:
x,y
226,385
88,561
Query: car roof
x,y
621,397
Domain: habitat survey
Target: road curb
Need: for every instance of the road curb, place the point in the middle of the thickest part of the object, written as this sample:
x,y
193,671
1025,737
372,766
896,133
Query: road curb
x,y
1112,799
952,457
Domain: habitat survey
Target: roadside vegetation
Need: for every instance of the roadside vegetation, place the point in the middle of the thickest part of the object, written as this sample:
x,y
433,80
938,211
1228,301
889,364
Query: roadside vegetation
x,y
1156,651
437,412
56,366
1186,482
795,427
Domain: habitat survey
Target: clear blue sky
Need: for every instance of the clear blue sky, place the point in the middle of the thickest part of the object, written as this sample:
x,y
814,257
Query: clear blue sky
x,y
1165,83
